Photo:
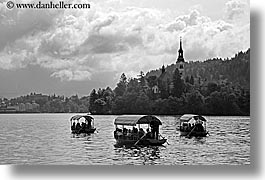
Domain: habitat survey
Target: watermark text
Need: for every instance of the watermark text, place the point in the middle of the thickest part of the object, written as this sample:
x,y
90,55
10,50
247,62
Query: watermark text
x,y
49,5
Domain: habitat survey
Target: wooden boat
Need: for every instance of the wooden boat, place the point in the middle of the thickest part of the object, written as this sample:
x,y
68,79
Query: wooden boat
x,y
193,125
82,124
137,136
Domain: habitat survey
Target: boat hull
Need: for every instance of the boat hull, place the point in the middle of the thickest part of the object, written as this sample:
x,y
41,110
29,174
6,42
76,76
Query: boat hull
x,y
144,142
87,131
194,133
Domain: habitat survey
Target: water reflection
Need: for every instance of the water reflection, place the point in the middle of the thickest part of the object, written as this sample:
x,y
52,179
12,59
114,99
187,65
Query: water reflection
x,y
193,140
143,154
81,135
37,141
199,140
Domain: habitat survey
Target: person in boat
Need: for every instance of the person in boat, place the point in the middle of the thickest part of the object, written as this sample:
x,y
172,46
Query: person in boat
x,y
185,127
141,132
134,133
189,127
78,126
124,131
88,123
116,132
148,134
200,128
73,126
135,130
130,134
154,129
83,125
119,133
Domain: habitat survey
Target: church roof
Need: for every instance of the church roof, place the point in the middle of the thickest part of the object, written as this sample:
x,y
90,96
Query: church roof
x,y
164,76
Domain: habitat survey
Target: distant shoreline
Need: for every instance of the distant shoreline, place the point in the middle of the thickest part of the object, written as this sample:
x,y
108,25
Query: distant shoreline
x,y
108,114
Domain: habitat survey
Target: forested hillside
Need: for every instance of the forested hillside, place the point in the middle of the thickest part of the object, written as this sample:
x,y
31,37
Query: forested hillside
x,y
213,87
235,70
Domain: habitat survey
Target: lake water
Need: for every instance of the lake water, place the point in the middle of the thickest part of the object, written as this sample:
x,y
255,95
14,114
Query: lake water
x,y
46,139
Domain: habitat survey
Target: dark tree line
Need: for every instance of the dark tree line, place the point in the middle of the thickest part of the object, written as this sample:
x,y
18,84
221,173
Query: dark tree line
x,y
51,103
178,96
213,87
235,70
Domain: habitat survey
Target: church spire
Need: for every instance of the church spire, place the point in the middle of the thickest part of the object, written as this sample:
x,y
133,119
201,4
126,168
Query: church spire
x,y
180,56
180,44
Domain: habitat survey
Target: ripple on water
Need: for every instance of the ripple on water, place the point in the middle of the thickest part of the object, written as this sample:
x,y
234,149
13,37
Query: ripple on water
x,y
46,139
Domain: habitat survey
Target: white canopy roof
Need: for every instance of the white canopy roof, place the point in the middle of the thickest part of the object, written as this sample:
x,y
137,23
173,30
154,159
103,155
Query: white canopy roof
x,y
77,117
132,120
188,117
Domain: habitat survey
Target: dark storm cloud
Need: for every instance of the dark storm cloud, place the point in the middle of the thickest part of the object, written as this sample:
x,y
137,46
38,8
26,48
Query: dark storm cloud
x,y
74,45
16,24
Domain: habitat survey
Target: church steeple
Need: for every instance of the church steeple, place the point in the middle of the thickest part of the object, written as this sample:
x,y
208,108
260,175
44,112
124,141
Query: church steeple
x,y
180,56
180,61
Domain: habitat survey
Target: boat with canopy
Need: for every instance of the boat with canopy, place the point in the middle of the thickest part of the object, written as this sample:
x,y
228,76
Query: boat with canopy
x,y
82,124
193,125
127,132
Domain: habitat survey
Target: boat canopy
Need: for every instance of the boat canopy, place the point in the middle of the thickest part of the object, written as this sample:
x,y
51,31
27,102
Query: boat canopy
x,y
77,117
188,117
132,120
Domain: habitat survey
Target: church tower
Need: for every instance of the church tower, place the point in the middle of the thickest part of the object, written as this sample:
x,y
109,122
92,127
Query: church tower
x,y
180,60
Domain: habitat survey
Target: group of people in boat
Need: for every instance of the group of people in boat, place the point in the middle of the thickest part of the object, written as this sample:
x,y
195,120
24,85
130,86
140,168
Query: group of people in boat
x,y
135,133
196,126
77,126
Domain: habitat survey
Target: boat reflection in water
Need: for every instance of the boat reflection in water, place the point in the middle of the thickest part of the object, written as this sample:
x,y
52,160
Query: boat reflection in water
x,y
139,155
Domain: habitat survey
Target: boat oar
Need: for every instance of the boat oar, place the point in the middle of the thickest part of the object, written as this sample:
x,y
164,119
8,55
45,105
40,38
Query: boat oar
x,y
164,138
139,140
191,131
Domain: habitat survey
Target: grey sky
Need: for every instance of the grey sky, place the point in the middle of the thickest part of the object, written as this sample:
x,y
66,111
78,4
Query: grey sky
x,y
73,51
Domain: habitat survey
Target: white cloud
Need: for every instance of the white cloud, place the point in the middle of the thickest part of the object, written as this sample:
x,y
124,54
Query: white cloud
x,y
70,75
177,25
74,45
100,23
236,9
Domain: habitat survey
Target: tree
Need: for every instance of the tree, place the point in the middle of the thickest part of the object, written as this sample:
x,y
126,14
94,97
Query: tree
x,y
160,106
164,89
100,106
178,85
152,81
175,105
215,104
121,86
130,99
191,80
92,99
141,79
211,87
108,96
142,104
194,102
187,79
118,105
133,86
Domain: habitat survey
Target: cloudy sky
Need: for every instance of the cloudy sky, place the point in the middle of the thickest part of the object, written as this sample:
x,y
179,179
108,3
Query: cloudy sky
x,y
73,51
